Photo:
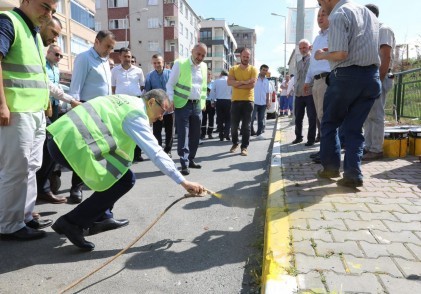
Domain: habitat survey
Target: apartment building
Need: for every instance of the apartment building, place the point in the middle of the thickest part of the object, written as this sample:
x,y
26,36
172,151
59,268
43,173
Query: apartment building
x,y
78,35
221,44
168,27
245,37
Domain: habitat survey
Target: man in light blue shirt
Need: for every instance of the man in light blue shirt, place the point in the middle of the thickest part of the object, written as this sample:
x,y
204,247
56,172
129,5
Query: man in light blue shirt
x,y
157,79
261,101
221,93
91,71
91,78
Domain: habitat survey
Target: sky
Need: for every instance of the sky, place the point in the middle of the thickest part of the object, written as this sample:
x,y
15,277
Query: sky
x,y
402,16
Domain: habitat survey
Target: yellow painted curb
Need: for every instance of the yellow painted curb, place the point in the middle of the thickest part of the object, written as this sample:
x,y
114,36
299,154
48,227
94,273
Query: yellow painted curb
x,y
276,254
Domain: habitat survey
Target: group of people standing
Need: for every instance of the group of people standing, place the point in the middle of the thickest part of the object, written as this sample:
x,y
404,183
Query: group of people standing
x,y
338,83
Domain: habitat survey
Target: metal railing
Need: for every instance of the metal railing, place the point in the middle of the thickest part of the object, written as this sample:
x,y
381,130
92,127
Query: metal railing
x,y
405,99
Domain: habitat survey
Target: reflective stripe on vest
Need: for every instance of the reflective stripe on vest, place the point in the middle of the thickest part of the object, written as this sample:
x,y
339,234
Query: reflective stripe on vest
x,y
25,79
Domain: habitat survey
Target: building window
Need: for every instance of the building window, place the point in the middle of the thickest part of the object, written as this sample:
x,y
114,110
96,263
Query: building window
x,y
246,36
187,34
181,50
152,2
60,6
205,34
153,46
172,47
118,3
62,43
115,24
181,28
98,26
82,16
153,23
209,51
181,7
78,45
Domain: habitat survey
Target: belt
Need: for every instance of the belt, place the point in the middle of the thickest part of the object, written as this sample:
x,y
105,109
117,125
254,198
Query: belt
x,y
194,101
322,75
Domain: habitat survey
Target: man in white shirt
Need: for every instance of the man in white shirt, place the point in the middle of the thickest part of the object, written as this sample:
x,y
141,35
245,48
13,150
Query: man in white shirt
x,y
221,93
127,78
261,101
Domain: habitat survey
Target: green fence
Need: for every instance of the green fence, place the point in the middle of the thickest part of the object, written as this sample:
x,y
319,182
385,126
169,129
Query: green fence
x,y
405,99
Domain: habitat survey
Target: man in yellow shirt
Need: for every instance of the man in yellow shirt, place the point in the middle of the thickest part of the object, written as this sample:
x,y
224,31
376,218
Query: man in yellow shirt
x,y
242,78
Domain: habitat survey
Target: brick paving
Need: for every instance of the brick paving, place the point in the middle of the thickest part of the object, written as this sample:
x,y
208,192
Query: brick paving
x,y
352,241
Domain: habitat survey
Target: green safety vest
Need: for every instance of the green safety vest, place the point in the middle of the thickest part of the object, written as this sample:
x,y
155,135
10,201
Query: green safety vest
x,y
92,139
25,80
182,89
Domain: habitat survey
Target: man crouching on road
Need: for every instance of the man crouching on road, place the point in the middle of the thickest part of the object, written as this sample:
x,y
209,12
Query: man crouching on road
x,y
96,140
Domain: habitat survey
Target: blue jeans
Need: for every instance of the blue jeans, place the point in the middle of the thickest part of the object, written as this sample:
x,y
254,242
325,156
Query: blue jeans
x,y
348,99
260,111
188,121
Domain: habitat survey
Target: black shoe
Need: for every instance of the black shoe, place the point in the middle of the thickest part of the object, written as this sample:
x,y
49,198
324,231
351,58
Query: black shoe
x,y
317,160
221,138
193,164
314,155
349,183
210,136
185,171
202,137
73,232
228,138
253,134
106,225
309,143
317,139
76,196
297,140
39,223
169,154
327,174
24,234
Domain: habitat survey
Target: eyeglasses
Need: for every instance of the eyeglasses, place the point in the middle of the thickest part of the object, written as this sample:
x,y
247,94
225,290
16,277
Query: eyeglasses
x,y
58,55
160,105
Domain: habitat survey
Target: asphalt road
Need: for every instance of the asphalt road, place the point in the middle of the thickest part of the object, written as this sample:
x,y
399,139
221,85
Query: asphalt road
x,y
201,245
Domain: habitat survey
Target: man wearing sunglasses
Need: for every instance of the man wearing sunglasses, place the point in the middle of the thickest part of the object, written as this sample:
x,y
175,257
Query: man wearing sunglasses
x,y
96,140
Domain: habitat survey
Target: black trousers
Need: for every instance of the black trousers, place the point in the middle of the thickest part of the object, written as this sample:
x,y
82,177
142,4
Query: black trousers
x,y
208,115
168,124
303,103
223,117
97,206
241,112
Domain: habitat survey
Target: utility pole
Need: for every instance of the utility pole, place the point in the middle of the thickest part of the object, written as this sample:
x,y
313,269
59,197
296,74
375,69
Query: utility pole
x,y
299,34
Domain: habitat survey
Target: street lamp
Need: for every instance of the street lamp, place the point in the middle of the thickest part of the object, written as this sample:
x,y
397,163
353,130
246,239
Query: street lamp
x,y
285,42
127,21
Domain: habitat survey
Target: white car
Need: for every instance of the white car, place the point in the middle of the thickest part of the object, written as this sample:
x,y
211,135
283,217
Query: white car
x,y
272,112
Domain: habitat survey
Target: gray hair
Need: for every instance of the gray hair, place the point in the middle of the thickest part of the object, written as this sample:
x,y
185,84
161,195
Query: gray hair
x,y
159,95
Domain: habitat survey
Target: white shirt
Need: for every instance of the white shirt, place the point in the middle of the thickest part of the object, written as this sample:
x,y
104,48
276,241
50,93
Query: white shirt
x,y
196,88
290,90
220,90
318,66
127,81
261,91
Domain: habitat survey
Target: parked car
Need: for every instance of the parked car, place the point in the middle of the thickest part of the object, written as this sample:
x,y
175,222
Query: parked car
x,y
272,112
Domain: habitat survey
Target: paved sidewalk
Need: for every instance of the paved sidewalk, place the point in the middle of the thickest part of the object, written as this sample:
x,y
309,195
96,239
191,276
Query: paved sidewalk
x,y
323,238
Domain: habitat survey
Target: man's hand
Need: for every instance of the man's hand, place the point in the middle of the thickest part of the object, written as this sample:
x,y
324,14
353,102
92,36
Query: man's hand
x,y
4,115
75,103
193,188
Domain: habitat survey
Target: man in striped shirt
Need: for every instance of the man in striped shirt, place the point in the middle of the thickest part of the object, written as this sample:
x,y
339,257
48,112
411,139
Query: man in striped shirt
x,y
354,85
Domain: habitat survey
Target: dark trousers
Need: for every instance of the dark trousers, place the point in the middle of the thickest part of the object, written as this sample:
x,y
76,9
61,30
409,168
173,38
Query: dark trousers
x,y
47,167
208,115
168,124
223,117
241,112
94,207
187,122
301,104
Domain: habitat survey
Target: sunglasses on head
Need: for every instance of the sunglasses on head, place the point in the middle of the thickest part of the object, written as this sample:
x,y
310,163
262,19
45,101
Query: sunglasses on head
x,y
58,55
